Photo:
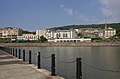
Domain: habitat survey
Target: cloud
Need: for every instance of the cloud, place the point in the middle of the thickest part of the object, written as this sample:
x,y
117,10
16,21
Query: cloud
x,y
61,5
69,11
89,19
110,9
93,3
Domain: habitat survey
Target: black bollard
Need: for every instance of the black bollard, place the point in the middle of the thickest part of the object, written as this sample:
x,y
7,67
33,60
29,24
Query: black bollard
x,y
13,52
19,54
30,57
78,69
23,55
53,65
39,64
16,52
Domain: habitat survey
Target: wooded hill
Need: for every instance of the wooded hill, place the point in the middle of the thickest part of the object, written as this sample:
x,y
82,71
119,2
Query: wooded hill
x,y
113,25
28,32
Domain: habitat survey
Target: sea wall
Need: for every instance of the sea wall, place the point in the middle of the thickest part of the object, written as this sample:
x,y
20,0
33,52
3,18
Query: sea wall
x,y
59,44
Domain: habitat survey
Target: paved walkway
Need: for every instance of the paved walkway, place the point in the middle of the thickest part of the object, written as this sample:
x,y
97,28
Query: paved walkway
x,y
13,68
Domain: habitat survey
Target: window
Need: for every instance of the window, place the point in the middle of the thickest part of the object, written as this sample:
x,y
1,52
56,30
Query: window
x,y
65,35
57,35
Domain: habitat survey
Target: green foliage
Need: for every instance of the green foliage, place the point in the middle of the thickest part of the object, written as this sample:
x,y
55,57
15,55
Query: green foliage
x,y
26,41
28,32
5,41
42,39
80,35
118,30
96,39
117,36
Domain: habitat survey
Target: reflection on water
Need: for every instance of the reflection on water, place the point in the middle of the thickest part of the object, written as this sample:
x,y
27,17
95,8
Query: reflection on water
x,y
97,62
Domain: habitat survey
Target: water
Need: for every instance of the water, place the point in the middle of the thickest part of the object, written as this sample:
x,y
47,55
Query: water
x,y
97,62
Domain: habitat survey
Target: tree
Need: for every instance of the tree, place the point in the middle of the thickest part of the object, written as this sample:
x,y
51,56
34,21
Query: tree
x,y
80,35
43,39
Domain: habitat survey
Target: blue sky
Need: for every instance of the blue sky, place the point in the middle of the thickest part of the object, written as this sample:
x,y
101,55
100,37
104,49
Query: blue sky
x,y
42,14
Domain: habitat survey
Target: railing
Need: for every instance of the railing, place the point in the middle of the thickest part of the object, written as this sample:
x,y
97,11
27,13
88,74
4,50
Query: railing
x,y
79,61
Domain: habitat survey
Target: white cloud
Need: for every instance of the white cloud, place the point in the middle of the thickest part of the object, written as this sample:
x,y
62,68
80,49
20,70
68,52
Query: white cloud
x,y
69,11
61,5
111,9
93,3
89,19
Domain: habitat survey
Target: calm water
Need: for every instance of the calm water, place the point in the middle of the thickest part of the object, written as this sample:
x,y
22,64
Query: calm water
x,y
97,62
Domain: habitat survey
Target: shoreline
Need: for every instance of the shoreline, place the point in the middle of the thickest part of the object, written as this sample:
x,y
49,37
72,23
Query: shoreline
x,y
85,44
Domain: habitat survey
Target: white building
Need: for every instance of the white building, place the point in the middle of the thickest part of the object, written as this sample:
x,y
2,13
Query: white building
x,y
64,34
73,40
27,37
109,32
45,33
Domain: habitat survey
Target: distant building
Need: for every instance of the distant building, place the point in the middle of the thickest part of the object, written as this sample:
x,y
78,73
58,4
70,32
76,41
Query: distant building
x,y
27,37
91,32
109,32
0,35
73,40
76,35
45,33
64,34
10,33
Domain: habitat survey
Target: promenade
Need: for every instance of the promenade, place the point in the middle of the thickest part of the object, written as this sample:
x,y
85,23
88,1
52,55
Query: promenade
x,y
13,68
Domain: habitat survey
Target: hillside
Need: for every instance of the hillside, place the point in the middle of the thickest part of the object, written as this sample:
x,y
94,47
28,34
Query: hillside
x,y
27,32
113,25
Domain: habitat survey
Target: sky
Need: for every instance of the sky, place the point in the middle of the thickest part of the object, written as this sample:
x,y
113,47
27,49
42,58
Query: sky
x,y
43,14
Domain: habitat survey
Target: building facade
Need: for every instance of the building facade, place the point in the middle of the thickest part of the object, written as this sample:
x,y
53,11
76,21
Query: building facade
x,y
45,33
64,34
73,40
10,33
27,37
109,32
91,32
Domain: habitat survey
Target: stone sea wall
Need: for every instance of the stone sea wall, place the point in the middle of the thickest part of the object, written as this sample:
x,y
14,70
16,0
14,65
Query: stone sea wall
x,y
59,44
